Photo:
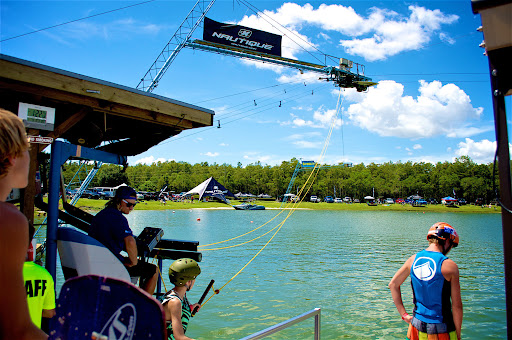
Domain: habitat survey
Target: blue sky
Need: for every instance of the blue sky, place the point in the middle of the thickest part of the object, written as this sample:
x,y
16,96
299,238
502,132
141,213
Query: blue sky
x,y
432,102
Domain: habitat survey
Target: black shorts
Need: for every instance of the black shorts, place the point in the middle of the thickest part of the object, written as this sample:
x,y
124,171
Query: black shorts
x,y
143,269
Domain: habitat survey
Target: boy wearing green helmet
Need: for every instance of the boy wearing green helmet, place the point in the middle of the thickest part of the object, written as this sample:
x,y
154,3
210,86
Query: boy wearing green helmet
x,y
182,273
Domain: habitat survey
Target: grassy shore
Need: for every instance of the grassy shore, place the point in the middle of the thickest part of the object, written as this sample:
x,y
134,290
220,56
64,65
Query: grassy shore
x,y
95,205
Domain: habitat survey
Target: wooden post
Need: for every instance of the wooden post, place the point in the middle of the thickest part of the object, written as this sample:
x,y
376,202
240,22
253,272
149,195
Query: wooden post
x,y
27,203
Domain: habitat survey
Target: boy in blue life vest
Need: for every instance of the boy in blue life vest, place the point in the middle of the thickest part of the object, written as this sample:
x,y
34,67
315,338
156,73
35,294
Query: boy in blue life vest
x,y
436,290
182,273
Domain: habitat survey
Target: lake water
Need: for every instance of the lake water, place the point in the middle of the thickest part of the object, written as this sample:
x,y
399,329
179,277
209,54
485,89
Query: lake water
x,y
338,261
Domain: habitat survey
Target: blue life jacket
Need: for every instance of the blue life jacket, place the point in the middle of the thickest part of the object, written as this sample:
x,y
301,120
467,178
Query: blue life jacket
x,y
431,291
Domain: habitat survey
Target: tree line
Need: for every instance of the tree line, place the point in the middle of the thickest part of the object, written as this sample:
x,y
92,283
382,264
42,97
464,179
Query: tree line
x,y
463,177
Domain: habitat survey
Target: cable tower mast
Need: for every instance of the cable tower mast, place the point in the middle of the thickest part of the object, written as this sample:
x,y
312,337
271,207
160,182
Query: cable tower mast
x,y
194,18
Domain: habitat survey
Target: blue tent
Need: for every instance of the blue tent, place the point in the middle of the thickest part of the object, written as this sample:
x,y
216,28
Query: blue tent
x,y
210,187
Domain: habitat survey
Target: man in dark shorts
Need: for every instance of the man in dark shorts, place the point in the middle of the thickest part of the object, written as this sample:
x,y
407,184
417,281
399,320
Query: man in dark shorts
x,y
111,229
435,284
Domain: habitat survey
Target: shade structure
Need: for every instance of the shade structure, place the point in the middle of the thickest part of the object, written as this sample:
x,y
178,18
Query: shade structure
x,y
210,187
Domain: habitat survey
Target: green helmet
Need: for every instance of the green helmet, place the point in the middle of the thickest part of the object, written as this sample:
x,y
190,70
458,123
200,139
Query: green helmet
x,y
183,270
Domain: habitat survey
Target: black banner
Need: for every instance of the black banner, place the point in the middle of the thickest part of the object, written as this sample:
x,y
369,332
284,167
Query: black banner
x,y
242,37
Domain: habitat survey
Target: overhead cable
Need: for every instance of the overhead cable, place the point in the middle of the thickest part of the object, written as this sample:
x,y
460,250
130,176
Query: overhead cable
x,y
72,21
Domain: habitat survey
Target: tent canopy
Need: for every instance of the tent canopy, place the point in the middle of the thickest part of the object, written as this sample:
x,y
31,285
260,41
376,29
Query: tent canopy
x,y
210,187
448,198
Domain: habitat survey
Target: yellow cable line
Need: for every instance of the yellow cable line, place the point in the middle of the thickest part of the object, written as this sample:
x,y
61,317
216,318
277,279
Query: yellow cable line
x,y
160,273
211,244
292,210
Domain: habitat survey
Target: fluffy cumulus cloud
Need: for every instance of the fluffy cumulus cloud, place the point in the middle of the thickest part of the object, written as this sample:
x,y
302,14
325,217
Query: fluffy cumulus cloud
x,y
380,34
439,110
479,152
322,118
150,160
392,33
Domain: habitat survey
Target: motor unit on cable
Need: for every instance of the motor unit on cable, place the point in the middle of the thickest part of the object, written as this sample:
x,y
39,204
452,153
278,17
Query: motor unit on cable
x,y
345,64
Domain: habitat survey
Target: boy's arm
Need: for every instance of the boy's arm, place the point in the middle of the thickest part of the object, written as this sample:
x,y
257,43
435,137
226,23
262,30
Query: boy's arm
x,y
394,286
173,313
15,322
450,272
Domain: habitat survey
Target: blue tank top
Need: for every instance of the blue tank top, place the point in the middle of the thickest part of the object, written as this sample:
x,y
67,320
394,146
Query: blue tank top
x,y
432,293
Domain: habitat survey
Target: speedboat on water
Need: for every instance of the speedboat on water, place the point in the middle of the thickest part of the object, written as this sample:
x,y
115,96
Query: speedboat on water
x,y
248,206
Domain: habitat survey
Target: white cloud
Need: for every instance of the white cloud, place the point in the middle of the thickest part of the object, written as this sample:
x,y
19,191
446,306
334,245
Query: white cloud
x,y
255,156
322,119
224,144
305,144
437,111
383,32
210,154
296,77
150,160
288,17
307,140
417,146
324,36
393,34
446,38
479,152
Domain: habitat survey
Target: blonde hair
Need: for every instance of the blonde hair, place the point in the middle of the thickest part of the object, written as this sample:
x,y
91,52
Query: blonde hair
x,y
13,139
433,240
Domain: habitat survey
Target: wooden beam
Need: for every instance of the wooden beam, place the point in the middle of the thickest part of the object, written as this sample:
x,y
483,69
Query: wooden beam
x,y
69,123
106,106
87,88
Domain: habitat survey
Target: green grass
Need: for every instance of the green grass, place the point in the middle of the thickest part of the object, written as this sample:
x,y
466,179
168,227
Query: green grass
x,y
95,205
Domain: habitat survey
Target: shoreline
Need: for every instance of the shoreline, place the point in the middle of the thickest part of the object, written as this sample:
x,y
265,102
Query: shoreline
x,y
96,205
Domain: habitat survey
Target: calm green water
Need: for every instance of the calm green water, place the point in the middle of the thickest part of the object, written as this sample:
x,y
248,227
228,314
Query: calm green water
x,y
336,260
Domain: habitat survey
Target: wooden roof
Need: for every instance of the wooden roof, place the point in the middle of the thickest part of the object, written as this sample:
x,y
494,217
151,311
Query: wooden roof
x,y
96,113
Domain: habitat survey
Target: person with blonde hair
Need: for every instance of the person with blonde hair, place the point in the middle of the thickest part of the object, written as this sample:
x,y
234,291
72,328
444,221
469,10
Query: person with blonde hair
x,y
15,321
437,313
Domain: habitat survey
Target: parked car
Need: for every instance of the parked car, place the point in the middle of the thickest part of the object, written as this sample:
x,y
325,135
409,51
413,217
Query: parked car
x,y
91,194
347,200
462,201
314,199
338,200
389,201
420,202
399,201
356,200
328,199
